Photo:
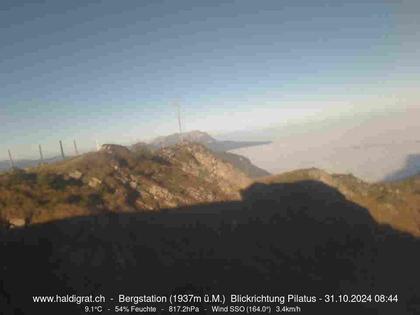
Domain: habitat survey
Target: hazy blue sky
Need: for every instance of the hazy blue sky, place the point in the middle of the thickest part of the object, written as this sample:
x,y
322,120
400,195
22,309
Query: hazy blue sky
x,y
110,69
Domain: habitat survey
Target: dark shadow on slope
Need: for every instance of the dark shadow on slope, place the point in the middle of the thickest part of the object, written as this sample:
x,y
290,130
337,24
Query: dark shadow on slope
x,y
300,238
411,168
222,146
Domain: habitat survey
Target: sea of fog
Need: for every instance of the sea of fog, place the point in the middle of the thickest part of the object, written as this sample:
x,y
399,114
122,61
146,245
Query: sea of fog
x,y
384,147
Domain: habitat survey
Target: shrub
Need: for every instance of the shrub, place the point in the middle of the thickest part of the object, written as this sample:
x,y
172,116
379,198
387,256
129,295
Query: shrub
x,y
19,176
45,179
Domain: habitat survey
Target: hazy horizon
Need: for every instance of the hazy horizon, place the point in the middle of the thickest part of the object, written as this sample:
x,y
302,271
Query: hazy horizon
x,y
371,148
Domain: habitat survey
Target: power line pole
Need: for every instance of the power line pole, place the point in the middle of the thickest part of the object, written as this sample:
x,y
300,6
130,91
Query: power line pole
x,y
75,147
62,150
40,154
12,163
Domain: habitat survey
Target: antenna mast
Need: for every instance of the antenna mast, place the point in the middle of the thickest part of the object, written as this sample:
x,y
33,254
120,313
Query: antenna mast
x,y
178,112
12,163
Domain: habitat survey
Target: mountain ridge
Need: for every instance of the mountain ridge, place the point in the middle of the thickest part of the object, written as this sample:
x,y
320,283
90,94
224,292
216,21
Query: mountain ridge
x,y
205,139
118,179
141,178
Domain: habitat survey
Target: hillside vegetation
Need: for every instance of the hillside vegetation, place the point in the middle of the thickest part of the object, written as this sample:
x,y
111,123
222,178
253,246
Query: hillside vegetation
x,y
118,180
393,203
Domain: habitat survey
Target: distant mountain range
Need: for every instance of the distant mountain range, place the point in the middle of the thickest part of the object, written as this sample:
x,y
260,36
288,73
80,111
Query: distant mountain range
x,y
192,136
205,139
5,165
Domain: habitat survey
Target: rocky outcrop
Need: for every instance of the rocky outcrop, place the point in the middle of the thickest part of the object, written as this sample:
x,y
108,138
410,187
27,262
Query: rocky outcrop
x,y
197,160
94,182
77,175
16,222
114,149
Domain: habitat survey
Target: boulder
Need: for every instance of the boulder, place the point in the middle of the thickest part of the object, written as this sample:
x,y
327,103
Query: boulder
x,y
76,175
94,182
16,222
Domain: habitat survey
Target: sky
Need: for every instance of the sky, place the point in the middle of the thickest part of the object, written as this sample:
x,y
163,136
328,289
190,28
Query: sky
x,y
112,70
